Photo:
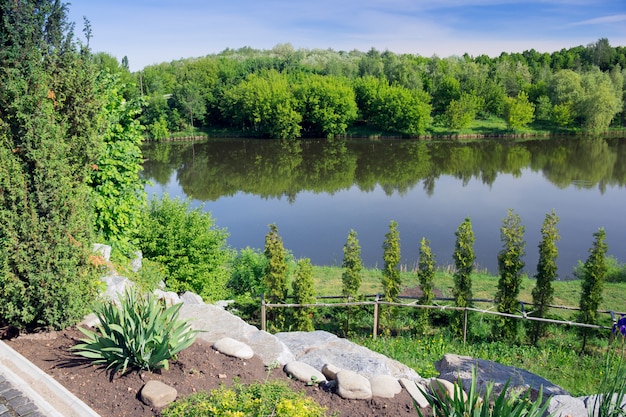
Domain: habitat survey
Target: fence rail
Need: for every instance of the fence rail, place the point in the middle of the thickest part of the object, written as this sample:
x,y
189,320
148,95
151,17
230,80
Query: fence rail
x,y
378,302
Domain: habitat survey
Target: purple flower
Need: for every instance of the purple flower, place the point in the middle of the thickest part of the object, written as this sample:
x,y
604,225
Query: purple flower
x,y
620,325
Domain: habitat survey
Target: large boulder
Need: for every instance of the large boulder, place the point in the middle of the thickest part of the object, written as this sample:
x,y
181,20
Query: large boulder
x,y
455,367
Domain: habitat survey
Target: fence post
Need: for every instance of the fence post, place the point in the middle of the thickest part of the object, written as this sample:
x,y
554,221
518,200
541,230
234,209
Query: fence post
x,y
464,325
375,331
263,320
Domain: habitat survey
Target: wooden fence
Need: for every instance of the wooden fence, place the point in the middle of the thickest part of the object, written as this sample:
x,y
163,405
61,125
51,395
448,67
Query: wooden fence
x,y
377,302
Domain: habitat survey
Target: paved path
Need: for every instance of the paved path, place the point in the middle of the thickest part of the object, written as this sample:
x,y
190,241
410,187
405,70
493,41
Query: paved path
x,y
14,402
27,391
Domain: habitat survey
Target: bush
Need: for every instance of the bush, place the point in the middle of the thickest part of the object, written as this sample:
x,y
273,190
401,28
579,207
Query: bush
x,y
272,398
188,245
140,334
247,271
615,272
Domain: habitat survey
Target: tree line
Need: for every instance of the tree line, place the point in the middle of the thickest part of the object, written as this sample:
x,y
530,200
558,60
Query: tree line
x,y
289,93
273,276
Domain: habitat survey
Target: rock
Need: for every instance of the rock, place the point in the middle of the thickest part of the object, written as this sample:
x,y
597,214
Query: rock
x,y
590,403
102,250
319,348
231,347
330,371
565,405
447,388
191,298
414,391
170,297
303,372
385,386
216,323
135,264
116,285
453,367
353,386
157,394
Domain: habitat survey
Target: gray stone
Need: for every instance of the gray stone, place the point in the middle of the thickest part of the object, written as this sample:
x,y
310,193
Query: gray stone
x,y
191,298
593,403
157,394
447,388
135,264
385,386
453,367
216,323
319,348
565,405
413,389
102,250
353,386
303,372
330,371
116,285
170,297
231,347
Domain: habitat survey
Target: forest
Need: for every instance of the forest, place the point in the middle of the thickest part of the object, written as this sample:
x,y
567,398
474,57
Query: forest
x,y
290,93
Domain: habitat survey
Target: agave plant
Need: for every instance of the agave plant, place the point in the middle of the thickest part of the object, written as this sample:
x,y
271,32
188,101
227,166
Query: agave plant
x,y
141,333
487,406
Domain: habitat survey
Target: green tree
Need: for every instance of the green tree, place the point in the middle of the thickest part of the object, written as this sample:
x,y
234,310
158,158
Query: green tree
x,y
351,275
593,274
518,111
464,258
188,244
188,97
543,293
118,193
462,112
510,265
303,293
276,269
263,104
426,277
601,101
352,266
326,103
48,123
390,279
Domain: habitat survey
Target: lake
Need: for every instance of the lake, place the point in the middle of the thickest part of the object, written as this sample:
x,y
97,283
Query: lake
x,y
315,191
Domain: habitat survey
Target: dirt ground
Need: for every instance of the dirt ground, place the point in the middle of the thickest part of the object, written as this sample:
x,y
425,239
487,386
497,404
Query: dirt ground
x,y
197,368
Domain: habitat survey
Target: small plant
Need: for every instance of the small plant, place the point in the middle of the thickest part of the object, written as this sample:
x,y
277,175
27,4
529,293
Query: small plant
x,y
141,333
271,398
489,405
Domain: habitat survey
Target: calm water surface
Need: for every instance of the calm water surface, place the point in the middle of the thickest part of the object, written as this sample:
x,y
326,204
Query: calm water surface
x,y
315,191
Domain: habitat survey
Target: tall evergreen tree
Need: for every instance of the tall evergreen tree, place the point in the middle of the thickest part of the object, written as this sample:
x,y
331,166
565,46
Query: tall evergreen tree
x,y
391,279
391,255
426,276
275,277
543,293
48,119
352,266
464,258
510,265
303,293
594,271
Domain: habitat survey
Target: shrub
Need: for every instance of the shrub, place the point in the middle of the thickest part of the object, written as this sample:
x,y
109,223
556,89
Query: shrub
x,y
186,242
140,334
247,271
615,270
271,398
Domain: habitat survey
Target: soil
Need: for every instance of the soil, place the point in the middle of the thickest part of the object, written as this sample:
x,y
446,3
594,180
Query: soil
x,y
198,368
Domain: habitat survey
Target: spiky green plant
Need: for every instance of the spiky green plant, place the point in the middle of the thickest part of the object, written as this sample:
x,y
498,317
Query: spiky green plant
x,y
489,405
141,333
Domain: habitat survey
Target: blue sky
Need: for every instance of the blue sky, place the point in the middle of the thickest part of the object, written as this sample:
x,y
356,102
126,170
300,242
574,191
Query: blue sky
x,y
154,31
